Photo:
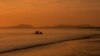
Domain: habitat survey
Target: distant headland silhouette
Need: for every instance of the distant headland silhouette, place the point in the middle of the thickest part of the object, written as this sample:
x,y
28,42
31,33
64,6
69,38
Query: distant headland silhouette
x,y
20,26
72,27
28,26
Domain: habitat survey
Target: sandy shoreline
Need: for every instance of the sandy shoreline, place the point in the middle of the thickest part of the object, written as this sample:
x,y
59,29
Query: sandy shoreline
x,y
8,44
81,47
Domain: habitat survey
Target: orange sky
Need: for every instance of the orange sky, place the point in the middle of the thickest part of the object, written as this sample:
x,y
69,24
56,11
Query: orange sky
x,y
49,12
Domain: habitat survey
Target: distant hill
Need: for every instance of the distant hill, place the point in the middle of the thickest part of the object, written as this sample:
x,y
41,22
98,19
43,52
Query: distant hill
x,y
72,26
27,26
21,26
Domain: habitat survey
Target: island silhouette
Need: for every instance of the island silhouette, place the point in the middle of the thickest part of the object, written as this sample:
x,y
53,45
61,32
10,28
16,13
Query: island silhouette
x,y
20,26
28,26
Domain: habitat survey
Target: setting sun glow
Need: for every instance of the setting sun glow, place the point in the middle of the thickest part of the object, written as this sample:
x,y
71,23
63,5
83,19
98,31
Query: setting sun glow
x,y
49,12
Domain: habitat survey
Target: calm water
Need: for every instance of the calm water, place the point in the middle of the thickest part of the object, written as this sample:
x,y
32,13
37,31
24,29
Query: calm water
x,y
47,31
20,33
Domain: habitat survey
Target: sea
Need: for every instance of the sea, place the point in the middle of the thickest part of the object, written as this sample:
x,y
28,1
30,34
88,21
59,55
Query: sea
x,y
23,42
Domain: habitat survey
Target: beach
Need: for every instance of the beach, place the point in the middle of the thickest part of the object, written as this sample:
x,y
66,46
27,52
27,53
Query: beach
x,y
49,27
81,47
84,44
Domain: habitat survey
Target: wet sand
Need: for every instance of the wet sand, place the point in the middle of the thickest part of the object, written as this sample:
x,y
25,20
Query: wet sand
x,y
79,47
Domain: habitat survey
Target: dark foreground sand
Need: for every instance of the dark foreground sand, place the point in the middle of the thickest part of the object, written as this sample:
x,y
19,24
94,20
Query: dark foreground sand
x,y
79,47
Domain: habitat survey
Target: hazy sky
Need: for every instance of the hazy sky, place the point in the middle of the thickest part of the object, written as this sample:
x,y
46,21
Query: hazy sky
x,y
49,12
